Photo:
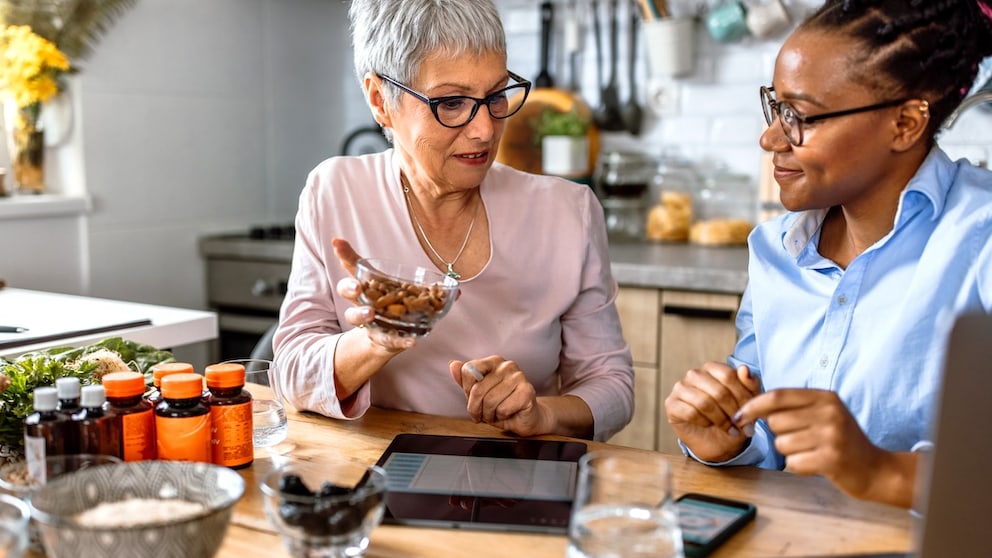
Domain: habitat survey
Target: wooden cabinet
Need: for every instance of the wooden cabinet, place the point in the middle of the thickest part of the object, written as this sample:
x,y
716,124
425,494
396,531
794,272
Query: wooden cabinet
x,y
669,331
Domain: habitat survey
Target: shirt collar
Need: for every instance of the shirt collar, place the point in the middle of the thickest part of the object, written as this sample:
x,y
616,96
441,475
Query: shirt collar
x,y
931,183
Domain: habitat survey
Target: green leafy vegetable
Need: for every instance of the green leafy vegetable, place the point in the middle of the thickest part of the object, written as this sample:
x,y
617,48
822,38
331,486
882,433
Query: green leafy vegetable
x,y
42,368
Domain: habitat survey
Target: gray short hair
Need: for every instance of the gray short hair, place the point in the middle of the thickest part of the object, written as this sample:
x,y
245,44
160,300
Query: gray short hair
x,y
394,37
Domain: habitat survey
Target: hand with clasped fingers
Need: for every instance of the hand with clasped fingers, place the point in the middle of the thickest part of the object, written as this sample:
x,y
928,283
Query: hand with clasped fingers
x,y
701,405
500,394
817,434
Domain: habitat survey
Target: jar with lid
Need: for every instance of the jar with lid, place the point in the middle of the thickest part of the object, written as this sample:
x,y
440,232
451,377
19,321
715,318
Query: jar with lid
x,y
621,182
161,370
624,174
99,432
45,431
726,208
675,184
124,391
182,420
230,415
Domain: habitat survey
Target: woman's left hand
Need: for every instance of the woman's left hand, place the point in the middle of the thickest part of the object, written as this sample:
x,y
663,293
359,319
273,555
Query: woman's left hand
x,y
503,397
817,434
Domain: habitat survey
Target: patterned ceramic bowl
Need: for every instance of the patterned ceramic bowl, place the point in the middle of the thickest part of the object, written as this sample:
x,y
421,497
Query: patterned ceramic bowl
x,y
153,509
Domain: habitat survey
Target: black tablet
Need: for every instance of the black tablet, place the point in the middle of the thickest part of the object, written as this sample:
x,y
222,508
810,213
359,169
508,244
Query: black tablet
x,y
503,484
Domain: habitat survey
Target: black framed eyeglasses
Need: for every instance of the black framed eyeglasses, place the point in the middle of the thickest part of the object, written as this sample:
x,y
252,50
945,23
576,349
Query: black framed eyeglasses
x,y
455,111
792,122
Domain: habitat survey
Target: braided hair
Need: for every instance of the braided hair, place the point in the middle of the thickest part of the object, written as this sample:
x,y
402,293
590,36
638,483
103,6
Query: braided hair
x,y
927,49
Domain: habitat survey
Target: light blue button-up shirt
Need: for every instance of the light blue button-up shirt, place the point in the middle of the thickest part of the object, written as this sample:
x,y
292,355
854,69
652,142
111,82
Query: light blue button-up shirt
x,y
874,333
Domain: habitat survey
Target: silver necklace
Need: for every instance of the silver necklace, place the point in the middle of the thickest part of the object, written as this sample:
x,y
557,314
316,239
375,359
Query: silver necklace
x,y
451,265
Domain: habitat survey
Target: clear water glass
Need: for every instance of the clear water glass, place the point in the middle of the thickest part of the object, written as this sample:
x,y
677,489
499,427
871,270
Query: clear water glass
x,y
269,424
623,507
14,519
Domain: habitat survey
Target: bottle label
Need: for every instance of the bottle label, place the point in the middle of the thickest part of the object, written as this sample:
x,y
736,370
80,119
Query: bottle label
x,y
138,436
231,434
183,438
34,454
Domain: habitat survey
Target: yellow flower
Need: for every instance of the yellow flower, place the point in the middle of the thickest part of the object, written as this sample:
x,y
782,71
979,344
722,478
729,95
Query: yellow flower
x,y
30,67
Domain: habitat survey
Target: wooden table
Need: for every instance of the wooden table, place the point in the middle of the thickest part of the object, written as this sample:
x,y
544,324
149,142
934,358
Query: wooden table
x,y
797,516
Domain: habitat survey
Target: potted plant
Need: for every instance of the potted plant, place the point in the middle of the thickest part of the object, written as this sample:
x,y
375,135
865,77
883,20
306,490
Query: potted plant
x,y
563,139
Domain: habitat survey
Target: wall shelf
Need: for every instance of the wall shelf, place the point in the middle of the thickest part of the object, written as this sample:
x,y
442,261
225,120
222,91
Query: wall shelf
x,y
43,205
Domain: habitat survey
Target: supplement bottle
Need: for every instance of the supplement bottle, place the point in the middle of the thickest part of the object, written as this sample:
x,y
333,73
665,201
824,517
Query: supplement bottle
x,y
135,416
99,433
182,420
230,416
68,390
44,432
159,371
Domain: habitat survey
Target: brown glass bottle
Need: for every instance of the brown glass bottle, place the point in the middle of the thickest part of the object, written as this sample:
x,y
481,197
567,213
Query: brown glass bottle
x,y
230,416
159,371
44,432
68,390
137,418
99,432
182,420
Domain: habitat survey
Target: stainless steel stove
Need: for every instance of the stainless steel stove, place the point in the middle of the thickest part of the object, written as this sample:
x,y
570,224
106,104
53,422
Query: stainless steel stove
x,y
247,276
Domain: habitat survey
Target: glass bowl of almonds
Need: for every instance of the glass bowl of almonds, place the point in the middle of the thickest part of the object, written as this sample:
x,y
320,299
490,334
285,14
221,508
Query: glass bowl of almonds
x,y
408,300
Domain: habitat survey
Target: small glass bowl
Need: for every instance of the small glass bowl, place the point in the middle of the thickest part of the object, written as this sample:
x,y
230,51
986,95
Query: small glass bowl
x,y
408,300
325,508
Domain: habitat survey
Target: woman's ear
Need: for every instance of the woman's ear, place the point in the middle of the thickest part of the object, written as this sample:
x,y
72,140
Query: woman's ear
x,y
911,124
372,85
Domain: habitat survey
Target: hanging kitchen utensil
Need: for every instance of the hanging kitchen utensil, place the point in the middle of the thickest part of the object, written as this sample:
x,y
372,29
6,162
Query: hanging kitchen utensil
x,y
608,116
573,45
547,24
633,115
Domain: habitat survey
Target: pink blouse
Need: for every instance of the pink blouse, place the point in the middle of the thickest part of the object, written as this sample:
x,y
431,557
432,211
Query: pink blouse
x,y
545,299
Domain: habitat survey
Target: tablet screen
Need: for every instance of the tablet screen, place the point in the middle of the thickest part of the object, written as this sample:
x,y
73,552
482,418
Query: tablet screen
x,y
482,483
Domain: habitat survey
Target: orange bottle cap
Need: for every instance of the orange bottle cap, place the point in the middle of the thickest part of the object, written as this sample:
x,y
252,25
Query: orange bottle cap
x,y
225,375
166,368
123,384
182,386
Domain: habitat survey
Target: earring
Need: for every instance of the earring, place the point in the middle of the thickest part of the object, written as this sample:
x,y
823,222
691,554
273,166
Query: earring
x,y
925,108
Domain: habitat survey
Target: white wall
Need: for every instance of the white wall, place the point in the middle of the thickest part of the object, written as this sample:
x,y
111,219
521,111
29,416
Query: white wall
x,y
203,116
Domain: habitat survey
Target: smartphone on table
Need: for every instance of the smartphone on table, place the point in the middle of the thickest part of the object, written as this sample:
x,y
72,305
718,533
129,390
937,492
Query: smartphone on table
x,y
707,521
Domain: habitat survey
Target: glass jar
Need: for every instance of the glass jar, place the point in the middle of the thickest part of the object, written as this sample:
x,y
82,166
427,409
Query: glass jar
x,y
727,195
726,209
624,218
624,175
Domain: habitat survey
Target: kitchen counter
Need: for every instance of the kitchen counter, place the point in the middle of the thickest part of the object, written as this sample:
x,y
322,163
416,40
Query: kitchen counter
x,y
679,266
635,264
55,319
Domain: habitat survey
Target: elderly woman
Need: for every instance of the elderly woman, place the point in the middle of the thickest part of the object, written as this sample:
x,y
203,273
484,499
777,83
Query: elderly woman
x,y
536,313
852,294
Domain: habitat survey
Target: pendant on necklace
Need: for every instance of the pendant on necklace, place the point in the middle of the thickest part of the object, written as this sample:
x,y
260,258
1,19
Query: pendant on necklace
x,y
452,273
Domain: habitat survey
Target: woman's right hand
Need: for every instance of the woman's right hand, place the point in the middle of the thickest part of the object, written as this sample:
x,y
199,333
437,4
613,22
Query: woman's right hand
x,y
701,406
361,315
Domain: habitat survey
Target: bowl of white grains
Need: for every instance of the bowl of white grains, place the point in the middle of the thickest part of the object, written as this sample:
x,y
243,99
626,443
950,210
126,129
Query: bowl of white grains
x,y
138,509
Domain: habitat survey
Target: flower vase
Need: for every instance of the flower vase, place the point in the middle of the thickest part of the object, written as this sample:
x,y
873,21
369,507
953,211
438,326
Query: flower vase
x,y
26,146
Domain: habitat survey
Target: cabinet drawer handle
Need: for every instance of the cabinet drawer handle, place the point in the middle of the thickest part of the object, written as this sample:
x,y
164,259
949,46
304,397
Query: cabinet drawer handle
x,y
704,313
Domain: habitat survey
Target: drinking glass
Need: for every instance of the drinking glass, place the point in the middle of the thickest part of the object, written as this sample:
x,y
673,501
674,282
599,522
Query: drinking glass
x,y
14,518
623,507
268,413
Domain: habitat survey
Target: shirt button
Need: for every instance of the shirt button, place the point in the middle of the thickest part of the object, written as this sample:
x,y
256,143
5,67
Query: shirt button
x,y
842,300
824,361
